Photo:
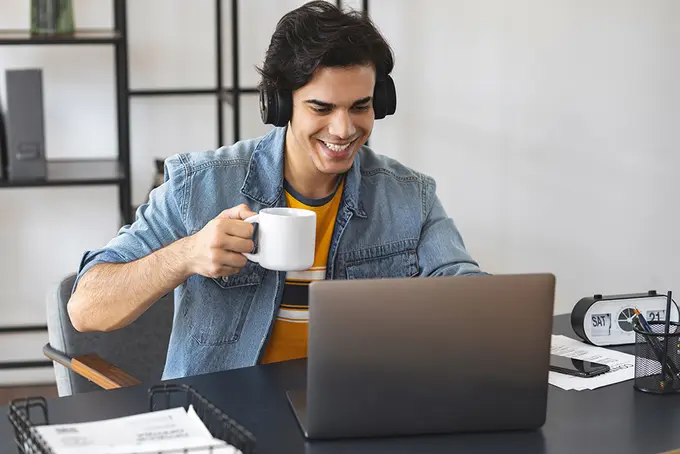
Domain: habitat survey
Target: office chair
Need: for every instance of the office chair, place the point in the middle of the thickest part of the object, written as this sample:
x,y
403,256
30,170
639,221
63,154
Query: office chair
x,y
90,361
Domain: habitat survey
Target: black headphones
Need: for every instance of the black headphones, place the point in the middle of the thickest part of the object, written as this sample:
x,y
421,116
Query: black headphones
x,y
276,107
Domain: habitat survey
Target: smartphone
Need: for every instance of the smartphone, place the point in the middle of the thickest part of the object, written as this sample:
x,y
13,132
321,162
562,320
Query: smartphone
x,y
576,367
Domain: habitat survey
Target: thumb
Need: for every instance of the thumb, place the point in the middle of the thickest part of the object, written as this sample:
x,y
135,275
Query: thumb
x,y
238,212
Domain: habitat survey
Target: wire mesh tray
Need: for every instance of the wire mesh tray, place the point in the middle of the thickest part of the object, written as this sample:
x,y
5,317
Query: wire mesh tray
x,y
161,397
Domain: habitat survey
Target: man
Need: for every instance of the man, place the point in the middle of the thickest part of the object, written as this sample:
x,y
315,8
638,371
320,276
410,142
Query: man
x,y
324,82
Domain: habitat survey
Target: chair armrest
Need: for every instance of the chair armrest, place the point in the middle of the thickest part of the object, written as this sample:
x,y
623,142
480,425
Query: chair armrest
x,y
57,356
93,368
102,373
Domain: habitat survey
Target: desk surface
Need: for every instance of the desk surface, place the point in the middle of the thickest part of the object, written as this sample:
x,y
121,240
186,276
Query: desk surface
x,y
612,419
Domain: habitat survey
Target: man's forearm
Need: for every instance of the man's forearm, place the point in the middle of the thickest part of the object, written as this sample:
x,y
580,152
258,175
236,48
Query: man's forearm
x,y
111,296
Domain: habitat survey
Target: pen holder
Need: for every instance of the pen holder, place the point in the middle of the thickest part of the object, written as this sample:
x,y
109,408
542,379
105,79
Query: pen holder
x,y
653,352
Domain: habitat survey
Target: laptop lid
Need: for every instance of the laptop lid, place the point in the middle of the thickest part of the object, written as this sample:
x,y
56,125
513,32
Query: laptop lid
x,y
429,355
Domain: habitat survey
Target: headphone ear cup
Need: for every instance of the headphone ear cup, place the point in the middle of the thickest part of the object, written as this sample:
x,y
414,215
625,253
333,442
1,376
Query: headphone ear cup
x,y
265,106
384,98
284,107
276,107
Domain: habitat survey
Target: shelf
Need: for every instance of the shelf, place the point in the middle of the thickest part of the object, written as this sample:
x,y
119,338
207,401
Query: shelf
x,y
174,92
22,329
79,37
25,364
190,91
74,173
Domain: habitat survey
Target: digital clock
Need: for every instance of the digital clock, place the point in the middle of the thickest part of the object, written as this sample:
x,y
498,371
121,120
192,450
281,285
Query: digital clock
x,y
608,320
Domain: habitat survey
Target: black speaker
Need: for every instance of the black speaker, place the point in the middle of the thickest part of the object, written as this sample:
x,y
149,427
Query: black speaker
x,y
276,108
4,157
25,124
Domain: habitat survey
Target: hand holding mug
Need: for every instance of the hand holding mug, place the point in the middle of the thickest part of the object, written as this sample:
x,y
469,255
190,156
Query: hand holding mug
x,y
217,249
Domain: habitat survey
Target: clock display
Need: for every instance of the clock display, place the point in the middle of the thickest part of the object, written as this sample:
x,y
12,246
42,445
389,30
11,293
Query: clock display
x,y
656,316
608,319
601,324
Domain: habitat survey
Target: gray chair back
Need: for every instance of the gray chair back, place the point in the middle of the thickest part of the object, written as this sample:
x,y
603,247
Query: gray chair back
x,y
139,349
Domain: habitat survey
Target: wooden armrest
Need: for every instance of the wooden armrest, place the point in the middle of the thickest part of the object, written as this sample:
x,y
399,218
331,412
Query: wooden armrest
x,y
93,368
102,373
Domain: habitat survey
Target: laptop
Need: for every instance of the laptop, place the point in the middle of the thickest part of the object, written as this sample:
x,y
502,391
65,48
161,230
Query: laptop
x,y
395,357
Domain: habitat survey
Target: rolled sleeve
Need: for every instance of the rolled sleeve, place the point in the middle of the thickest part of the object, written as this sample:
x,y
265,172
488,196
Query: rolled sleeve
x,y
91,258
158,222
441,250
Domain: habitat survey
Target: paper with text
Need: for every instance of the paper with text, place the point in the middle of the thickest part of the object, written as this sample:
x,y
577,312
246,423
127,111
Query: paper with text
x,y
622,365
170,430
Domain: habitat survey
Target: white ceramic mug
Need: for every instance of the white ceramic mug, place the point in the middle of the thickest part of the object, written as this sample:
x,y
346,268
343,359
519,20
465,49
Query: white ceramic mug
x,y
286,238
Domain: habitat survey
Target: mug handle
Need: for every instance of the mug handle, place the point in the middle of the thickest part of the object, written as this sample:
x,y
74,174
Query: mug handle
x,y
253,257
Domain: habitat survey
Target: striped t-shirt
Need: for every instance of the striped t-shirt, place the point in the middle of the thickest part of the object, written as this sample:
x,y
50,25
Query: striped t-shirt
x,y
288,339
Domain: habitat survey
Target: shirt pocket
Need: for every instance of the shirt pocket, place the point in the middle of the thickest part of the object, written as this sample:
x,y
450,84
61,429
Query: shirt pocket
x,y
218,315
250,274
399,264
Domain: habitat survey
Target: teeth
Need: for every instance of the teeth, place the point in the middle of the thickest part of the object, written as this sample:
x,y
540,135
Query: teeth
x,y
335,147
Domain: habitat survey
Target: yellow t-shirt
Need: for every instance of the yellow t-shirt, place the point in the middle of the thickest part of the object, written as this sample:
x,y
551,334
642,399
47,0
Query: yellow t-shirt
x,y
288,339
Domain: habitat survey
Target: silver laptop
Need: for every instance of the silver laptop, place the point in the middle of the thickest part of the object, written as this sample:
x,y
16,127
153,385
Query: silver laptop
x,y
429,355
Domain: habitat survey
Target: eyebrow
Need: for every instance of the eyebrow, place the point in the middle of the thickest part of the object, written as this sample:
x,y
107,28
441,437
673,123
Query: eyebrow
x,y
329,105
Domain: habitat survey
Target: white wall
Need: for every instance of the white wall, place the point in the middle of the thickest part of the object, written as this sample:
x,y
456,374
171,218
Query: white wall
x,y
548,124
551,127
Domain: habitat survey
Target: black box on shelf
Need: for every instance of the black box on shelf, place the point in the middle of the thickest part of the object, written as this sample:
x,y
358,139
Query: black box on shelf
x,y
25,124
4,157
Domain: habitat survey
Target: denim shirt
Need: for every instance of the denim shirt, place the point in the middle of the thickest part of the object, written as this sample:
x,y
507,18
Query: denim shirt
x,y
390,224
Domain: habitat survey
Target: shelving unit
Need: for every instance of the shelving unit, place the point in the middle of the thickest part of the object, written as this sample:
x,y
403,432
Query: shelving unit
x,y
88,172
116,171
83,172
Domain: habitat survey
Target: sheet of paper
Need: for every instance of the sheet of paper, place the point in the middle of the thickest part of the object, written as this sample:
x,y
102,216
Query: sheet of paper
x,y
622,365
196,446
166,430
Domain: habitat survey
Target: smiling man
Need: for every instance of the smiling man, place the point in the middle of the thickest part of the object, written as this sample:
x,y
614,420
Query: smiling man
x,y
325,80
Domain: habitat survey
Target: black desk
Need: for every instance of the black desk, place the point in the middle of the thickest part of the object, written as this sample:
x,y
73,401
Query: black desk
x,y
614,419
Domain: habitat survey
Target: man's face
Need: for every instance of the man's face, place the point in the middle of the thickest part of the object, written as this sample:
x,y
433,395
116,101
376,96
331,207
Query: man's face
x,y
333,117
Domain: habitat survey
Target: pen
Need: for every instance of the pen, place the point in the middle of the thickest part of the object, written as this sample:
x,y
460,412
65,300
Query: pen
x,y
654,343
666,329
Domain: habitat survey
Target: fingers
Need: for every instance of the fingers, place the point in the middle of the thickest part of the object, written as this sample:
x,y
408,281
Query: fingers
x,y
232,213
236,244
240,229
224,240
245,213
221,259
232,243
224,271
231,222
241,212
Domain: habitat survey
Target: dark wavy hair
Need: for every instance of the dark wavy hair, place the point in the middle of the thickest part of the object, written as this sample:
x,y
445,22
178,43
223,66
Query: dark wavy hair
x,y
318,34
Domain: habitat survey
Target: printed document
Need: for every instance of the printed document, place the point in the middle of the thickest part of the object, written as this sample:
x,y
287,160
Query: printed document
x,y
169,431
622,365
